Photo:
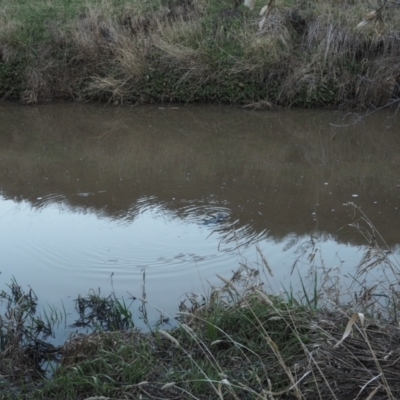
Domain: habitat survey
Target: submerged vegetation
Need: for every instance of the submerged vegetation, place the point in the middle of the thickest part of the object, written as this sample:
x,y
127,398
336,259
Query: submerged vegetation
x,y
304,53
236,342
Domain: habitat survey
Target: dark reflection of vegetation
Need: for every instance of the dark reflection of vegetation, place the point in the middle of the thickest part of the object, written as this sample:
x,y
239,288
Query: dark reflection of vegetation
x,y
267,170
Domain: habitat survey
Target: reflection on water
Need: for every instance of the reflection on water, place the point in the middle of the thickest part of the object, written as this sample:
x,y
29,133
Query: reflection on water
x,y
88,191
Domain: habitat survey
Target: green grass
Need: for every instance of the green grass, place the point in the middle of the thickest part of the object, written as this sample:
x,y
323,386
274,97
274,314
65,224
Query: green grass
x,y
100,365
35,19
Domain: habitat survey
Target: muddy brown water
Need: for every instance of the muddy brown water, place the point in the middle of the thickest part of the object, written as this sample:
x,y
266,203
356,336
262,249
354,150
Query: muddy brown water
x,y
93,195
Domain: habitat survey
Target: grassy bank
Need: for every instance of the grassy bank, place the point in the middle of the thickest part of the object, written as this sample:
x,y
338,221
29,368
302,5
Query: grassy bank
x,y
306,54
236,342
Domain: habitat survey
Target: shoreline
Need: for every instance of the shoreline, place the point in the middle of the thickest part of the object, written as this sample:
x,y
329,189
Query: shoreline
x,y
239,344
236,341
202,51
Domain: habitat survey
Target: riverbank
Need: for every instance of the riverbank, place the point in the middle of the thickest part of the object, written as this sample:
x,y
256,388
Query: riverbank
x,y
237,341
306,54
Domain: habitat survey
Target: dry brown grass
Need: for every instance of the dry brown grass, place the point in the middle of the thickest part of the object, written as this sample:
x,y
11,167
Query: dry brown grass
x,y
178,44
261,51
364,365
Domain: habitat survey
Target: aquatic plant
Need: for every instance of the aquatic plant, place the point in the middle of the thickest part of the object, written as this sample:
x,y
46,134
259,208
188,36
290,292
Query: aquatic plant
x,y
103,313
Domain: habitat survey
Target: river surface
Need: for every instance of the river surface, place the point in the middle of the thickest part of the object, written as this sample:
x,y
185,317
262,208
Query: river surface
x,y
92,196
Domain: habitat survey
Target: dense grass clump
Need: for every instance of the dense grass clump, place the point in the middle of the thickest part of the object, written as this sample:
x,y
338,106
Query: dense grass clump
x,y
306,53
